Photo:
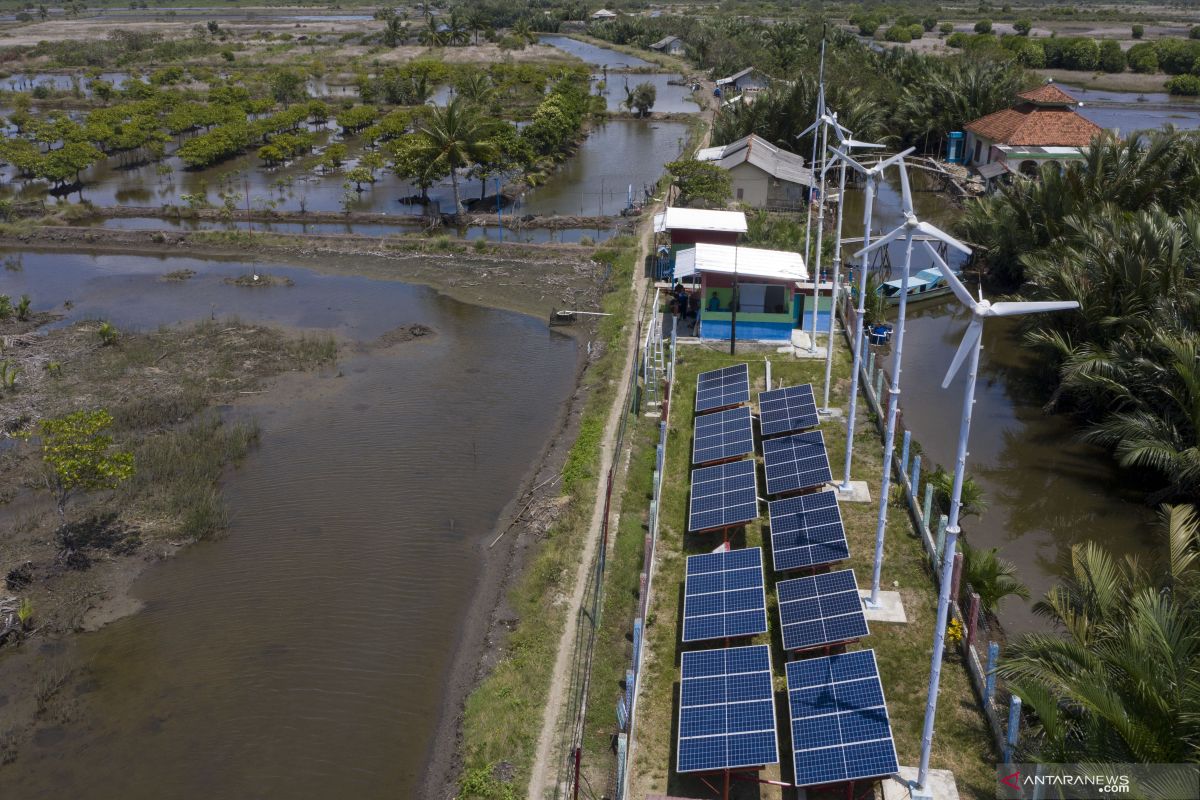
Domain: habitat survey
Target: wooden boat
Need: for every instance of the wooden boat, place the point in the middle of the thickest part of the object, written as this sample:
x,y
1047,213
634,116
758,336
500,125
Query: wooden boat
x,y
921,286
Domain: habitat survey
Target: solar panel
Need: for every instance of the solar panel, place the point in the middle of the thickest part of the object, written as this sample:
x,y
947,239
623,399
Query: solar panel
x,y
724,595
723,496
722,388
796,462
820,610
726,710
791,408
807,531
725,434
840,725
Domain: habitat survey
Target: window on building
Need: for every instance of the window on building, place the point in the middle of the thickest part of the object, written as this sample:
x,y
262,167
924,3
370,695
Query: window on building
x,y
740,193
978,150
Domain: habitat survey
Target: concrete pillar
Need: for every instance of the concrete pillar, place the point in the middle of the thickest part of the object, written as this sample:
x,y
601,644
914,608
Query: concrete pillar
x,y
927,508
1014,728
914,483
989,684
941,538
954,582
905,446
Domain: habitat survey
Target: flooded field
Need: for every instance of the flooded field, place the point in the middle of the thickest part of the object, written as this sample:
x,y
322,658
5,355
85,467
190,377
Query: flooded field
x,y
310,649
1130,111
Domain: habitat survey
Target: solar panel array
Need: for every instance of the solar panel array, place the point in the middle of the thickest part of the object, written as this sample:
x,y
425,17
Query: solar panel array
x,y
723,496
796,462
723,435
807,531
724,595
840,725
791,408
726,710
722,388
820,610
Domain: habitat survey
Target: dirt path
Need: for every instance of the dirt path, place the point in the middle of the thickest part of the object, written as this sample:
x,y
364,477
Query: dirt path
x,y
543,771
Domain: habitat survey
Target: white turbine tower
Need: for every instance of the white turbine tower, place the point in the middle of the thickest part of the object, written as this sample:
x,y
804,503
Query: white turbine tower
x,y
845,145
972,343
907,230
871,177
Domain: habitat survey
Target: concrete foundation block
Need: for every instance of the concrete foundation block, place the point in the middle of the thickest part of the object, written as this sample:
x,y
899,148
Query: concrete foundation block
x,y
858,492
941,786
890,608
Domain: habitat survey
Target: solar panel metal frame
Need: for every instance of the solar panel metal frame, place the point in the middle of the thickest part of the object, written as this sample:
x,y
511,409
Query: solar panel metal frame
x,y
722,388
724,595
787,409
723,435
710,680
787,471
723,496
820,610
807,531
841,730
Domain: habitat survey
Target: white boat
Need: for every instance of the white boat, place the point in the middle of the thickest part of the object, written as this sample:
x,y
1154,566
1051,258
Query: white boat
x,y
921,285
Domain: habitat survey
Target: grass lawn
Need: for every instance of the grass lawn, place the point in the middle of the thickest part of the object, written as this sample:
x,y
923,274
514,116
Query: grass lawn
x,y
961,742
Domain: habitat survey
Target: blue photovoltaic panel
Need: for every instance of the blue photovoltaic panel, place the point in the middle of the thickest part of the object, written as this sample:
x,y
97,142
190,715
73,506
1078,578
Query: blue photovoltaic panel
x,y
722,388
796,462
725,434
723,496
726,710
792,408
724,595
820,610
807,531
840,725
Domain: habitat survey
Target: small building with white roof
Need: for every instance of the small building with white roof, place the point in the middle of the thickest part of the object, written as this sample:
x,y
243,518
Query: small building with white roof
x,y
685,227
604,14
769,282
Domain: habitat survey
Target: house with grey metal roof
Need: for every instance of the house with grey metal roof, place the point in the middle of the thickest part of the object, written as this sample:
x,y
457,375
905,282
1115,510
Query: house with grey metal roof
x,y
671,45
762,175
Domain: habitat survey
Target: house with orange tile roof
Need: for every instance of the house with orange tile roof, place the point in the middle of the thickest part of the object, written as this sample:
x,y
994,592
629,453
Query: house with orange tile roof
x,y
1043,127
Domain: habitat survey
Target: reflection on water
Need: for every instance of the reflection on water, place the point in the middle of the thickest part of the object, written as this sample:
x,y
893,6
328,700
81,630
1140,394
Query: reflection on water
x,y
1045,490
305,655
593,54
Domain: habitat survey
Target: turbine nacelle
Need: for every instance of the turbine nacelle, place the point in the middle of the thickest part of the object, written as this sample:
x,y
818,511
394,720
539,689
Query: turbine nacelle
x,y
982,309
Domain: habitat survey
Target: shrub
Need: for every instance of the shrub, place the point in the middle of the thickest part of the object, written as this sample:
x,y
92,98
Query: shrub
x,y
1194,33
1112,57
917,30
929,23
1187,85
868,26
957,39
1177,56
946,28
1023,26
1143,58
1081,54
1138,31
898,33
983,26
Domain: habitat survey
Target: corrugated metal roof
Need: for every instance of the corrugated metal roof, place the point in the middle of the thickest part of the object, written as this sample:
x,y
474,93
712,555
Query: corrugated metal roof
x,y
750,262
661,43
753,149
699,219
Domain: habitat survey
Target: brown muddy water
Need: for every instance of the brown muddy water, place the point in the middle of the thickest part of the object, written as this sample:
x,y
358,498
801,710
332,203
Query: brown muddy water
x,y
308,652
1045,490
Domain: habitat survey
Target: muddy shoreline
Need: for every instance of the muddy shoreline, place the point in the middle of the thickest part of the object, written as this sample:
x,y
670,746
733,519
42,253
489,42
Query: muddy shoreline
x,y
524,519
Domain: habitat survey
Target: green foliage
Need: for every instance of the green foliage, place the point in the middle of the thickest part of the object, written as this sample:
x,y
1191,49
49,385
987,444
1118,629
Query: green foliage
x,y
946,28
868,26
9,372
287,86
1116,681
456,136
1138,31
80,456
991,577
641,98
928,24
22,307
972,499
1112,57
1023,26
25,613
983,26
1143,57
108,334
356,118
480,783
898,33
701,182
1186,85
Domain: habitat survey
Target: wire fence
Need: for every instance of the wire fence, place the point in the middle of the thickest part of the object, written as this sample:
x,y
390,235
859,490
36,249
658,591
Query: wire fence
x,y
981,638
570,778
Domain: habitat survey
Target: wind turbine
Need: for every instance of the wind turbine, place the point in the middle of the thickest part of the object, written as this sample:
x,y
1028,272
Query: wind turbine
x,y
972,344
872,180
846,144
907,230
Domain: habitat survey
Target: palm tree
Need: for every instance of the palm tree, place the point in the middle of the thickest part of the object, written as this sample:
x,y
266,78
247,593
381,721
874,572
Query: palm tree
x,y
395,32
1120,680
477,87
973,501
455,136
991,577
430,35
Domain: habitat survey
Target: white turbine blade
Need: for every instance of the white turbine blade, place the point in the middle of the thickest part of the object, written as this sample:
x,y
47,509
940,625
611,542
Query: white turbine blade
x,y
939,234
974,331
906,203
1013,309
850,162
808,130
956,286
857,143
882,165
884,241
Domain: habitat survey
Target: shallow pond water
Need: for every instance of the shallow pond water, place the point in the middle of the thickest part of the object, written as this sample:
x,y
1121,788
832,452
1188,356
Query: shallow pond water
x,y
306,653
594,54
